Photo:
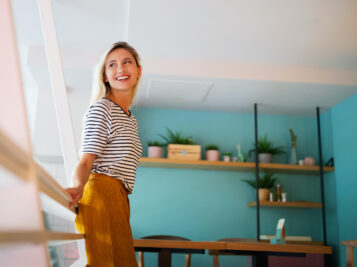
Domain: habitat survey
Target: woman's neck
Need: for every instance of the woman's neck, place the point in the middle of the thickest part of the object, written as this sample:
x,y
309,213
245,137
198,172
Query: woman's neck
x,y
122,99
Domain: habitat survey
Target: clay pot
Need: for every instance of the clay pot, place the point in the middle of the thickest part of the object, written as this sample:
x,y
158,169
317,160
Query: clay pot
x,y
309,161
264,157
212,155
154,151
263,194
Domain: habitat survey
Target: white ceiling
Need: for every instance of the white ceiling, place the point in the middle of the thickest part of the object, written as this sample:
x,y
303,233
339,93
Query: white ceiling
x,y
288,56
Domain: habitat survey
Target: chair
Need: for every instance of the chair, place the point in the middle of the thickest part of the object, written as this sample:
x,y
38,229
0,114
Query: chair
x,y
164,254
350,244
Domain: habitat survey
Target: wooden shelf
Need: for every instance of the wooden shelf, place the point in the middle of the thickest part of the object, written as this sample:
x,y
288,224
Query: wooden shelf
x,y
290,204
230,166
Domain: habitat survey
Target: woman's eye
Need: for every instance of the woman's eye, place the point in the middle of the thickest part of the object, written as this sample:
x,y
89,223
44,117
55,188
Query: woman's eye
x,y
127,62
111,65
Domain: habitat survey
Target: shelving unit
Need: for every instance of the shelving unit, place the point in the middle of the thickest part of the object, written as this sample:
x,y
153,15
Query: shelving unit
x,y
290,204
230,166
317,171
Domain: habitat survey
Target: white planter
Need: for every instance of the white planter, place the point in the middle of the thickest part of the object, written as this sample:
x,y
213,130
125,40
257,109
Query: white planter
x,y
155,152
226,158
264,157
212,155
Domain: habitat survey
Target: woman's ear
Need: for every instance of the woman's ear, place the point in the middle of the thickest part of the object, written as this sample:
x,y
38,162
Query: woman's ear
x,y
139,72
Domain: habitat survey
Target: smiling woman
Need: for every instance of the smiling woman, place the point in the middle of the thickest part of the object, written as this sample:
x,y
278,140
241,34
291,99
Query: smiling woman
x,y
111,149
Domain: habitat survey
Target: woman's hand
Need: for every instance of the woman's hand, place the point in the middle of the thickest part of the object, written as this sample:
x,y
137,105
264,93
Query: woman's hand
x,y
80,177
76,194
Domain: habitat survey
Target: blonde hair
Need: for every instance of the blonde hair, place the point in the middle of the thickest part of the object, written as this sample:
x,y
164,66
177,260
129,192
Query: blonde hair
x,y
100,88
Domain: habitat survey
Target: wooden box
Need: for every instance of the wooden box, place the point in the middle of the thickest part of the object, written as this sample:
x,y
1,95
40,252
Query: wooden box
x,y
186,152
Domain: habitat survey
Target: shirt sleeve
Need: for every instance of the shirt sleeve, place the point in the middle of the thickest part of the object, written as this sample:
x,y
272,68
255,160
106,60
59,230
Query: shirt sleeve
x,y
96,130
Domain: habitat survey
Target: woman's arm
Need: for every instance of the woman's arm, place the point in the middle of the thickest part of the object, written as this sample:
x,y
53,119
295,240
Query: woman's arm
x,y
80,177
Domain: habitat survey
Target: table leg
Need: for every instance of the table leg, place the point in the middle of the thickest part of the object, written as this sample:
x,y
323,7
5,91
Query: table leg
x,y
260,260
215,261
164,258
349,256
141,259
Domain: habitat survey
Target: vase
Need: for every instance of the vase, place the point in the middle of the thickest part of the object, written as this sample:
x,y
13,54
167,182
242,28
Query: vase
x,y
293,156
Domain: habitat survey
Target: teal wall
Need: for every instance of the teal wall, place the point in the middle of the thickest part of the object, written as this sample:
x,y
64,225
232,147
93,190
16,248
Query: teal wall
x,y
209,205
345,146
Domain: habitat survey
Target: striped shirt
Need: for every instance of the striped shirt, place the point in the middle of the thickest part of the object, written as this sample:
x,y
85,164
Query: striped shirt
x,y
112,135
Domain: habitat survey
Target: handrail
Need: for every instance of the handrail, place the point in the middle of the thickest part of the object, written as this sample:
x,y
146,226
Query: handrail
x,y
28,236
13,158
50,187
19,163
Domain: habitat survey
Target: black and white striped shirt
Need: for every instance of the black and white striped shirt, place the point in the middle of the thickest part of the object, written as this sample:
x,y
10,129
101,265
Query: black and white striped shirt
x,y
112,135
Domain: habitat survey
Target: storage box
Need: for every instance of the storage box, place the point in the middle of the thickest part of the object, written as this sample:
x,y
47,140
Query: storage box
x,y
186,152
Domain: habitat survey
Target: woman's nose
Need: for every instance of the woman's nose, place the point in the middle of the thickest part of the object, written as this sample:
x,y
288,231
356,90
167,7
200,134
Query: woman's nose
x,y
120,67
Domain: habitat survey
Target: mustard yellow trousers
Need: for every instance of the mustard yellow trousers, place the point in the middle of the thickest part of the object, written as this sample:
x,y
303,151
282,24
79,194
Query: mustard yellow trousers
x,y
103,216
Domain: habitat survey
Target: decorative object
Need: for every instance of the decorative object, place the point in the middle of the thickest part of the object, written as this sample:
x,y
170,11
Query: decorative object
x,y
266,150
280,233
264,185
240,154
235,159
271,197
309,161
155,149
293,156
212,152
226,157
301,162
330,162
278,192
283,197
186,152
181,147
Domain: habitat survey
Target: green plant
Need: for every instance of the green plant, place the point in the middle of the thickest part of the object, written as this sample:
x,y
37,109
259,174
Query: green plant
x,y
212,147
265,146
267,181
155,143
226,154
177,138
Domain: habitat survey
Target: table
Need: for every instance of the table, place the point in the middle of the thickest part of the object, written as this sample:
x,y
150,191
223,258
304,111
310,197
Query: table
x,y
166,247
259,250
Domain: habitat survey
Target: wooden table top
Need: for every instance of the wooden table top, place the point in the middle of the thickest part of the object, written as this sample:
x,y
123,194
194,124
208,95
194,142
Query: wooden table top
x,y
154,243
241,245
253,245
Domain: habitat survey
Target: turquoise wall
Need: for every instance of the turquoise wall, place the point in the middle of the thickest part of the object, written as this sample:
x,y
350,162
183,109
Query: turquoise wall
x,y
345,146
209,205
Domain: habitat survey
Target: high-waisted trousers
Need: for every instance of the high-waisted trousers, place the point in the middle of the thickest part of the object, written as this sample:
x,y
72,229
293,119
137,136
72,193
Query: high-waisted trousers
x,y
104,218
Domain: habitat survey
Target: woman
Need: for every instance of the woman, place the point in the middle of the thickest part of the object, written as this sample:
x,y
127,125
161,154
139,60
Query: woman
x,y
111,149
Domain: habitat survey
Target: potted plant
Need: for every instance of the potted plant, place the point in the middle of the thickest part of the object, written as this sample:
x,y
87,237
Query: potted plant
x,y
264,184
155,149
266,149
180,146
212,152
226,156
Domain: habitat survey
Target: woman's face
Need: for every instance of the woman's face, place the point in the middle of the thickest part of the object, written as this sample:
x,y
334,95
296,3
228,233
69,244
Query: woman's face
x,y
121,70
